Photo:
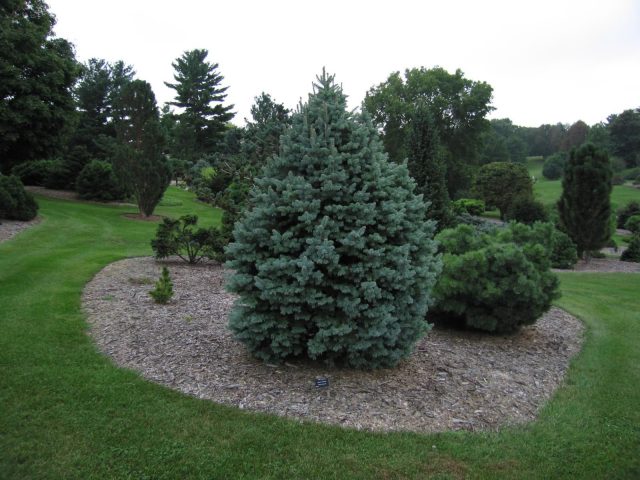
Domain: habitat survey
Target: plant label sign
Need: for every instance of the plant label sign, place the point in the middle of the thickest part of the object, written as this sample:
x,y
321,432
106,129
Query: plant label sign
x,y
322,382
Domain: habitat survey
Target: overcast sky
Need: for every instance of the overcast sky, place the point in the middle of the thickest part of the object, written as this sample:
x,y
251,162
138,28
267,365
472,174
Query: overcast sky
x,y
548,61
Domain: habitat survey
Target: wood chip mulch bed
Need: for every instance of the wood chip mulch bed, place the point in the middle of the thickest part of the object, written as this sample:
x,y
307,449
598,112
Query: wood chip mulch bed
x,y
454,380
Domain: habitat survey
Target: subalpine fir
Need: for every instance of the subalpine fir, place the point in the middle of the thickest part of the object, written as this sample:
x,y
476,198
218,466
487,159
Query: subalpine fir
x,y
335,259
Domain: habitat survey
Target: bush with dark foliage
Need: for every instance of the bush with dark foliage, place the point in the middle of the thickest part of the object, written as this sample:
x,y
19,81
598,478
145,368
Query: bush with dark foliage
x,y
527,210
97,181
15,202
180,237
553,167
629,210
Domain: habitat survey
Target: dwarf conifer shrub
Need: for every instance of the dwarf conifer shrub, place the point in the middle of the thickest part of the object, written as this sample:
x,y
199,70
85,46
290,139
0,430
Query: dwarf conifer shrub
x,y
553,167
34,172
97,181
15,202
629,210
632,253
633,224
527,210
181,237
471,206
334,259
163,290
495,282
560,249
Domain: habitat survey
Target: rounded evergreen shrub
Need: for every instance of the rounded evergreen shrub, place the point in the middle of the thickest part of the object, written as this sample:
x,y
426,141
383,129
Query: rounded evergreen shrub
x,y
633,224
34,172
493,282
59,176
471,206
629,210
15,202
560,249
553,167
334,259
527,210
97,181
632,253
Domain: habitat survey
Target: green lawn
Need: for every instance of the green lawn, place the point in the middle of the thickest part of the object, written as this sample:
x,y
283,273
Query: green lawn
x,y
548,191
67,412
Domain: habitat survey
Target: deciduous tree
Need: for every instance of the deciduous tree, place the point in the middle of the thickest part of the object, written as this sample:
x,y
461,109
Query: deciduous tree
x,y
459,107
624,131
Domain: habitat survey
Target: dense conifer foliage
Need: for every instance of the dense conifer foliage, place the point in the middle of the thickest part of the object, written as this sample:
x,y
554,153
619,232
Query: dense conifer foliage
x,y
496,281
139,162
585,206
37,72
15,202
334,260
202,123
427,165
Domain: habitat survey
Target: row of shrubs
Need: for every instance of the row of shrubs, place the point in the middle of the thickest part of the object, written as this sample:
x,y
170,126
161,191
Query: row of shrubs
x,y
15,202
494,279
96,180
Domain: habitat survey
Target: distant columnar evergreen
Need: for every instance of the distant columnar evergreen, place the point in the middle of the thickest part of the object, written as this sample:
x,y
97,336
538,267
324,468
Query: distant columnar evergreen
x,y
585,203
335,259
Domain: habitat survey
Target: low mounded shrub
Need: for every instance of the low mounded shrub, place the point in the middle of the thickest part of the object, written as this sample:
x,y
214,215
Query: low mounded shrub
x,y
15,202
471,206
560,249
527,210
34,172
97,181
629,210
493,282
180,237
632,253
553,167
633,224
59,176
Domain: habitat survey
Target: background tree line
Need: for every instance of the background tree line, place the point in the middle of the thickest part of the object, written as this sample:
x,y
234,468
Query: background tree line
x,y
58,116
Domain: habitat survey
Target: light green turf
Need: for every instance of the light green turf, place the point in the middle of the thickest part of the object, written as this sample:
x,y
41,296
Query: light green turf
x,y
549,191
67,412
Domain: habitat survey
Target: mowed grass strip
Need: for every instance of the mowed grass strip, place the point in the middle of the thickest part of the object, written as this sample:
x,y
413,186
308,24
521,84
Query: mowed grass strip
x,y
67,412
549,191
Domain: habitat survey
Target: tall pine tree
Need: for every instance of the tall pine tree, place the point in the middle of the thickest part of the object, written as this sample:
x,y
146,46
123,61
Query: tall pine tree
x,y
427,166
335,260
585,206
203,117
139,161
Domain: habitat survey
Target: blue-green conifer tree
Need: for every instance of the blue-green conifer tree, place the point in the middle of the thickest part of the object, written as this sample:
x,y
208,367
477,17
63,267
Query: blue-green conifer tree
x,y
335,259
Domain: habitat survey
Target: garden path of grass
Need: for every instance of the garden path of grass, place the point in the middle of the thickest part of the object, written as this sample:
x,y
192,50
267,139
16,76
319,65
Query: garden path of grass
x,y
67,412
